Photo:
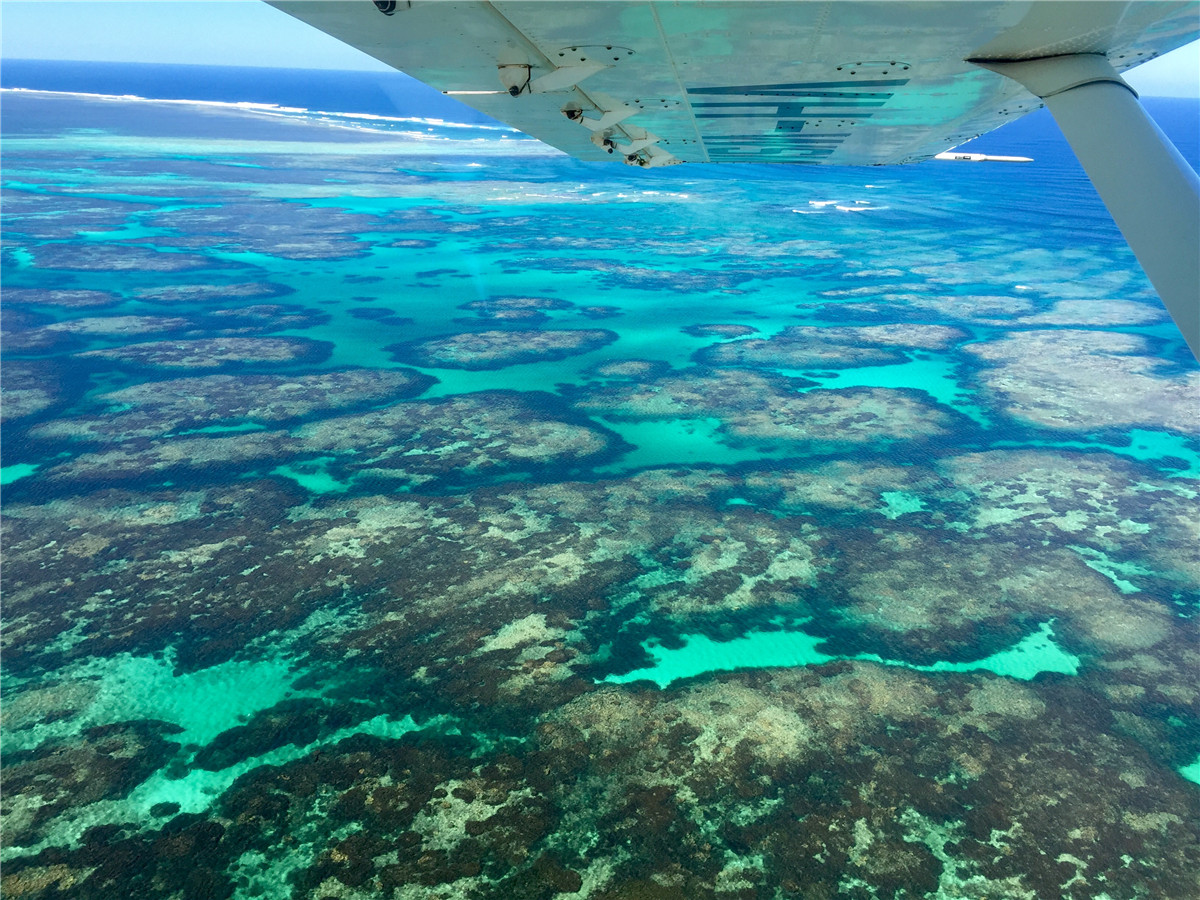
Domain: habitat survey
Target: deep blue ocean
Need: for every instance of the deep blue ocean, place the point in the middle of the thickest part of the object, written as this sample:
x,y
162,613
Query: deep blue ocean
x,y
394,506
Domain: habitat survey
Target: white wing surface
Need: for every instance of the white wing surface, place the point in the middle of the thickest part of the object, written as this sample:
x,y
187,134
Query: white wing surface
x,y
838,83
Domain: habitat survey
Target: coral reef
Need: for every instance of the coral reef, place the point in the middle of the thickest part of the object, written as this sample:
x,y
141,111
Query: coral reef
x,y
26,213
62,297
214,353
466,436
159,407
757,408
212,293
290,230
496,304
117,325
30,387
262,318
728,330
482,350
114,257
1050,378
202,456
800,347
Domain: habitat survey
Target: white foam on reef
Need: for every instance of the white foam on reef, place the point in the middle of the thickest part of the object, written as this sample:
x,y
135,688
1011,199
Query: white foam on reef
x,y
842,205
268,108
385,143
1031,656
406,135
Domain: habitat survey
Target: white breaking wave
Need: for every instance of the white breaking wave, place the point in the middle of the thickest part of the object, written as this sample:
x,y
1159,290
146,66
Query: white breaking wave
x,y
274,109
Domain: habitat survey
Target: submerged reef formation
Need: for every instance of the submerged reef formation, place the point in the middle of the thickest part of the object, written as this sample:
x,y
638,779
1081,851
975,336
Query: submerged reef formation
x,y
67,298
466,436
204,456
1096,313
799,347
1050,378
23,331
212,293
728,330
115,257
290,230
759,408
117,325
30,214
524,310
214,353
263,318
481,350
30,387
156,408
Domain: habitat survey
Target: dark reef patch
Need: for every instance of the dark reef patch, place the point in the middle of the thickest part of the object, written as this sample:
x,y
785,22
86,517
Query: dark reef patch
x,y
382,314
291,722
601,312
30,387
23,331
493,304
465,437
121,257
285,229
629,368
60,297
262,318
215,353
157,408
102,763
719,330
765,409
828,347
195,458
483,350
213,293
62,217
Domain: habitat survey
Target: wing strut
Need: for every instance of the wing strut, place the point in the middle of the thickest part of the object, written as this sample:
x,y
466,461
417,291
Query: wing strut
x,y
1148,187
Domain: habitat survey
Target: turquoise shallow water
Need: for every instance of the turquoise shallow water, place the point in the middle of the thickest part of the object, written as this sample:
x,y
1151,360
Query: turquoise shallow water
x,y
1027,659
10,474
383,518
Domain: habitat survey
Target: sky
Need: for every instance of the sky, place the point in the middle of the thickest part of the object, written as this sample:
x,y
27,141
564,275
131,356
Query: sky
x,y
250,33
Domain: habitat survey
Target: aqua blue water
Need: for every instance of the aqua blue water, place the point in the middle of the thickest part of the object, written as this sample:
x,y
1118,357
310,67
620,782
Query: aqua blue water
x,y
396,507
1030,657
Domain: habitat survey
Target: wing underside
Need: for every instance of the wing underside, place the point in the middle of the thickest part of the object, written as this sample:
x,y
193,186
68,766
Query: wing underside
x,y
837,83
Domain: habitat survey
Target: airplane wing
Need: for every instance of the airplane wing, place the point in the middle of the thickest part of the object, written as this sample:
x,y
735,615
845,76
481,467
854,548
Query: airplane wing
x,y
653,83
